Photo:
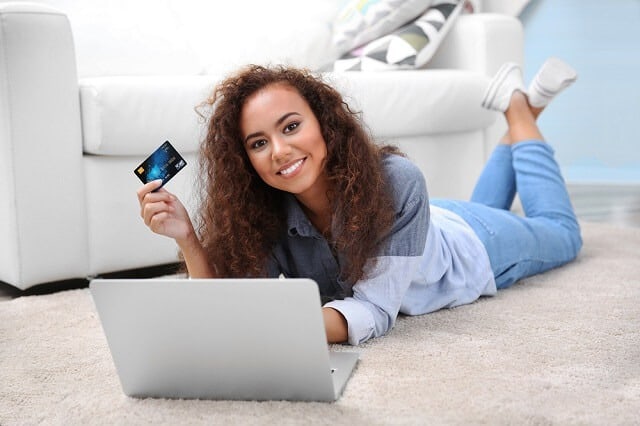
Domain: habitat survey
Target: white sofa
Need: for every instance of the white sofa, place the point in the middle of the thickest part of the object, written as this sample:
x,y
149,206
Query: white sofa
x,y
88,91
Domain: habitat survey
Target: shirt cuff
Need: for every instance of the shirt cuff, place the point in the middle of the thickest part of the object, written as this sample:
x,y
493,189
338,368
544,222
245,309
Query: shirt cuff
x,y
360,321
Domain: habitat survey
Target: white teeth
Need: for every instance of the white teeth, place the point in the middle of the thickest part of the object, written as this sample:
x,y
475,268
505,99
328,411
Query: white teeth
x,y
292,168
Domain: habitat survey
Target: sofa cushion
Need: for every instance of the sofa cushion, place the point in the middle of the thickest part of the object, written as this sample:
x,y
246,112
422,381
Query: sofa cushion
x,y
409,47
432,101
360,21
134,115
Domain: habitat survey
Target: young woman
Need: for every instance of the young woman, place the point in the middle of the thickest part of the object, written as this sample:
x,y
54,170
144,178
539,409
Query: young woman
x,y
293,185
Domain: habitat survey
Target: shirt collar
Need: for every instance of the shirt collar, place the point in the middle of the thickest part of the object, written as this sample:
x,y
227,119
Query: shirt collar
x,y
298,224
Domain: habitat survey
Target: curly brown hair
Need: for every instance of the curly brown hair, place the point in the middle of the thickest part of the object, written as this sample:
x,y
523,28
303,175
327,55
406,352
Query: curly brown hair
x,y
241,218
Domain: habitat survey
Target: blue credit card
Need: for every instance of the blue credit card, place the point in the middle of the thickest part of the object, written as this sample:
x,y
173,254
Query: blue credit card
x,y
164,163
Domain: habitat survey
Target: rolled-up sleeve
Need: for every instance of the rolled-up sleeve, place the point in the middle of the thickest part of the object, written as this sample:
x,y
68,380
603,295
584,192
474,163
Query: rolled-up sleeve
x,y
374,306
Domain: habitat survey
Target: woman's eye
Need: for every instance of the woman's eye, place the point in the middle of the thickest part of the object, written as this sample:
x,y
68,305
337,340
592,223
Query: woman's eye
x,y
258,144
291,127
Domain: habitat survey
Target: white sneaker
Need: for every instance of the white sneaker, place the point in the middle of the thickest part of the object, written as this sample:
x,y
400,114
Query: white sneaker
x,y
507,80
554,76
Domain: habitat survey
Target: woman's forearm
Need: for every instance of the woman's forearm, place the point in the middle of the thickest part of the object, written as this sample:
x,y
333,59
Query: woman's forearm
x,y
195,257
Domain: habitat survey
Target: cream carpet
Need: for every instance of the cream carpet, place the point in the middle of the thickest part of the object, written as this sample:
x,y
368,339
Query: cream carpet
x,y
558,348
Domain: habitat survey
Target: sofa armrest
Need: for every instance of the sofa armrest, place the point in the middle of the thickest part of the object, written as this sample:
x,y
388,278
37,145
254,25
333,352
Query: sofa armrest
x,y
42,212
481,42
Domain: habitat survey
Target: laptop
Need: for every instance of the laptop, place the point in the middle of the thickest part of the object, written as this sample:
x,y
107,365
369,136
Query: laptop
x,y
241,339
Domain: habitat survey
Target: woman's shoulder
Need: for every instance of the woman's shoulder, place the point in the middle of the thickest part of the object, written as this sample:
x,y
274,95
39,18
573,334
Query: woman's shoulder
x,y
405,178
401,170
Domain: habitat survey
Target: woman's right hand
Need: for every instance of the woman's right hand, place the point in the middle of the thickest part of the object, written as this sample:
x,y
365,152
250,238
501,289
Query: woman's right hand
x,y
163,213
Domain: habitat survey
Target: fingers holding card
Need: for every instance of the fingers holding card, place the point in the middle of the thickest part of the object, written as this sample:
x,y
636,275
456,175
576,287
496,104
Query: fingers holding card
x,y
161,211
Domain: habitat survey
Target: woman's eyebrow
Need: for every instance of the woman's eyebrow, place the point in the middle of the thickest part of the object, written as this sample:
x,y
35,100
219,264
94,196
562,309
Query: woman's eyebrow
x,y
278,122
284,117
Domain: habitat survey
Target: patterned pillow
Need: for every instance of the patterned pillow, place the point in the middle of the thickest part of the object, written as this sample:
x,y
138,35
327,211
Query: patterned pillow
x,y
361,21
409,47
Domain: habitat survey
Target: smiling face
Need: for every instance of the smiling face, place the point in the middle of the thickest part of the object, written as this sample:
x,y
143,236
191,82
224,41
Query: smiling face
x,y
283,140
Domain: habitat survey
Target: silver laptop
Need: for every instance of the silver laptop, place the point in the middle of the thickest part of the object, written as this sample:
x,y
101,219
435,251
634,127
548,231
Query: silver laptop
x,y
248,339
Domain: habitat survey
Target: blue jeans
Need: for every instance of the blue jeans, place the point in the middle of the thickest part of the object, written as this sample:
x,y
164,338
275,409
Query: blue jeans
x,y
548,236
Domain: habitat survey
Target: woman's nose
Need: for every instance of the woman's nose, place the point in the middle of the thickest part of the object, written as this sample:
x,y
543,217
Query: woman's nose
x,y
280,148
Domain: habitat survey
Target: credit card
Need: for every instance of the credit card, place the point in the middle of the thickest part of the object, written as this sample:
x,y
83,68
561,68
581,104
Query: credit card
x,y
164,163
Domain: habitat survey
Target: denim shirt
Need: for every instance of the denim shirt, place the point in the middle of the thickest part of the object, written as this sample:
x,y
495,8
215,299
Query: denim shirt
x,y
430,259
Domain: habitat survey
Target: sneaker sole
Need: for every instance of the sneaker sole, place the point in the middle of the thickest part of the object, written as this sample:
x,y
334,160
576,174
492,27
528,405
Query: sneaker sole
x,y
496,82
